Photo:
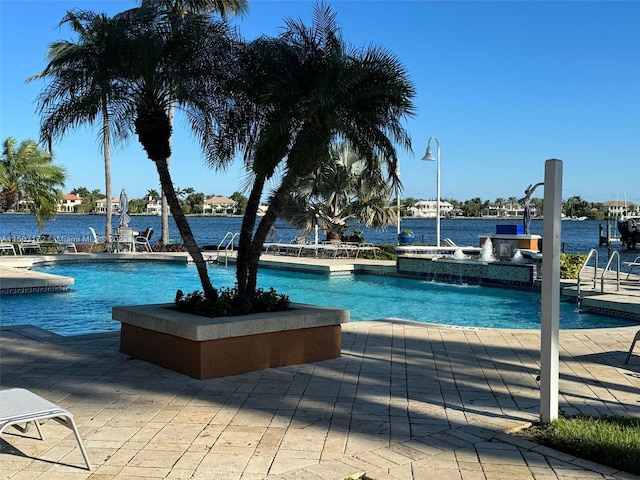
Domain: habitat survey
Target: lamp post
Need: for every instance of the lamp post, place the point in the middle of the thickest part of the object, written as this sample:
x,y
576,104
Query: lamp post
x,y
428,157
398,196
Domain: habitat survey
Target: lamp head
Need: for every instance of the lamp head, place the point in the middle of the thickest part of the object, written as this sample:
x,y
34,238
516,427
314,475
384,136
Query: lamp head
x,y
428,157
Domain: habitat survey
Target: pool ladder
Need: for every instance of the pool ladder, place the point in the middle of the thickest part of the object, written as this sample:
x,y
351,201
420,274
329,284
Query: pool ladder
x,y
593,253
226,246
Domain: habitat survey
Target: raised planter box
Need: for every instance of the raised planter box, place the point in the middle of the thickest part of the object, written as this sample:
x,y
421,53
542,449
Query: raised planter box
x,y
204,347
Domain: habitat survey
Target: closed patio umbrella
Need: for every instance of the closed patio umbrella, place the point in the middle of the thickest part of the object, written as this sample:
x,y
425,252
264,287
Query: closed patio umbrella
x,y
526,220
124,209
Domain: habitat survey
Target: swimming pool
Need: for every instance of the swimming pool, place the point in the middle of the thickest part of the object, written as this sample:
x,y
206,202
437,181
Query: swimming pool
x,y
86,307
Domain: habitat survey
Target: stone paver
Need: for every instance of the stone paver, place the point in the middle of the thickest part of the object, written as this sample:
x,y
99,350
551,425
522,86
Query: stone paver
x,y
404,401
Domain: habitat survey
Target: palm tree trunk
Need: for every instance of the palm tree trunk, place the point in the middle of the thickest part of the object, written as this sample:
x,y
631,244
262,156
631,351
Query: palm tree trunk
x,y
244,243
106,146
277,203
185,230
165,207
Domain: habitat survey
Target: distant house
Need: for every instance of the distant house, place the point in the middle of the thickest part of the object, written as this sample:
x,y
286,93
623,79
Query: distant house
x,y
69,203
507,210
24,204
219,206
616,209
100,206
154,206
429,208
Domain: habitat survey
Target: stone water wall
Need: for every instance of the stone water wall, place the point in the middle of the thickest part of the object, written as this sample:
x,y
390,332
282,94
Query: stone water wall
x,y
520,276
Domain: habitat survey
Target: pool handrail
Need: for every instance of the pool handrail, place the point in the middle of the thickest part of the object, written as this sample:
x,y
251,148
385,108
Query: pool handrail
x,y
593,252
615,254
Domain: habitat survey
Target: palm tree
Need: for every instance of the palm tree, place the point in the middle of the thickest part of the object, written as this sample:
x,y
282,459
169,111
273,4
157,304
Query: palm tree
x,y
162,61
152,194
179,63
28,172
343,190
299,92
82,88
176,10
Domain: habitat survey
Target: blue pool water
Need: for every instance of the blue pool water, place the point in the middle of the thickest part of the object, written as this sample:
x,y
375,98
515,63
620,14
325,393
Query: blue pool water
x,y
86,307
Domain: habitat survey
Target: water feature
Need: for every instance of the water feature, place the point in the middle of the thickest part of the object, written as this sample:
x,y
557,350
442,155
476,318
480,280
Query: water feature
x,y
518,257
458,254
87,306
486,252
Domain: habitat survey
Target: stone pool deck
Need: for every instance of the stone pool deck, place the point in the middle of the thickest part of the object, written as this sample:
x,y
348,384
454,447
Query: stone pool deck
x,y
404,401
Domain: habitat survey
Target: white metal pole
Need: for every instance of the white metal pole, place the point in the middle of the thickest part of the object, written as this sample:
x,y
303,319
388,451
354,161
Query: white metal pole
x,y
438,197
398,196
550,311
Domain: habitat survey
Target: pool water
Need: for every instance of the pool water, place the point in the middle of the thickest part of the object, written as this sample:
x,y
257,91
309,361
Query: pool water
x,y
86,306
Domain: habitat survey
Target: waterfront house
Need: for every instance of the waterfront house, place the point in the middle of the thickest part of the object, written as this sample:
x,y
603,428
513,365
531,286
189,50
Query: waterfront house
x,y
506,210
154,206
616,209
219,206
69,203
428,209
100,206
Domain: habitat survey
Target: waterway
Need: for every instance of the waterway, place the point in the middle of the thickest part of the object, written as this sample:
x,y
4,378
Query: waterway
x,y
577,236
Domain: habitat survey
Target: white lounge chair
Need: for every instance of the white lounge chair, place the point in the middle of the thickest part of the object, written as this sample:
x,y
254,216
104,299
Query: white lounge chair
x,y
7,247
448,242
27,246
633,344
49,244
632,265
18,406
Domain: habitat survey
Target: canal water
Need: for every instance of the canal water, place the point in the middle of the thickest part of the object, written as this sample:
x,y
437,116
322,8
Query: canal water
x,y
577,236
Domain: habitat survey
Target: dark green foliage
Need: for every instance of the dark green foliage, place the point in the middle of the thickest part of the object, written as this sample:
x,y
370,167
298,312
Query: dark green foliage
x,y
229,304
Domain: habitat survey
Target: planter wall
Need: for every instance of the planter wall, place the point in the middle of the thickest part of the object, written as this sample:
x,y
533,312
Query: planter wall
x,y
204,347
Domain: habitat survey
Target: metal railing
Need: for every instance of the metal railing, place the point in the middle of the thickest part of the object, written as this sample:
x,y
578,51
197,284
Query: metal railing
x,y
229,238
592,253
615,254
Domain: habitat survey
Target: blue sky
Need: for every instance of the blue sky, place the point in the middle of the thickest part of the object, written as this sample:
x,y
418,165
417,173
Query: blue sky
x,y
503,86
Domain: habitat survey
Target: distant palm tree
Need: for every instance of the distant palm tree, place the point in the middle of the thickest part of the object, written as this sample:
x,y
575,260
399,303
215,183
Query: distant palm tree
x,y
152,194
28,172
301,91
341,191
82,87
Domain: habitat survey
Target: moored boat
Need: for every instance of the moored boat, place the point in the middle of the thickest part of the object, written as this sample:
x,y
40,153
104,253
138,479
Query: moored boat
x,y
628,228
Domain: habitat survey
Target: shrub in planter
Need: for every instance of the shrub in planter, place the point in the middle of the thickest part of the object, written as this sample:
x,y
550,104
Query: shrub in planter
x,y
228,304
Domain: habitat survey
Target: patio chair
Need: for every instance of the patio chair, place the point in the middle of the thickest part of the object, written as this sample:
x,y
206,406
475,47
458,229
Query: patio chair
x,y
632,265
97,239
633,344
20,406
126,240
143,239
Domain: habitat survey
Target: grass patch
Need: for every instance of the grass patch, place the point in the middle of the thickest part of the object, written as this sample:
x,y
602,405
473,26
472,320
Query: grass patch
x,y
610,441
